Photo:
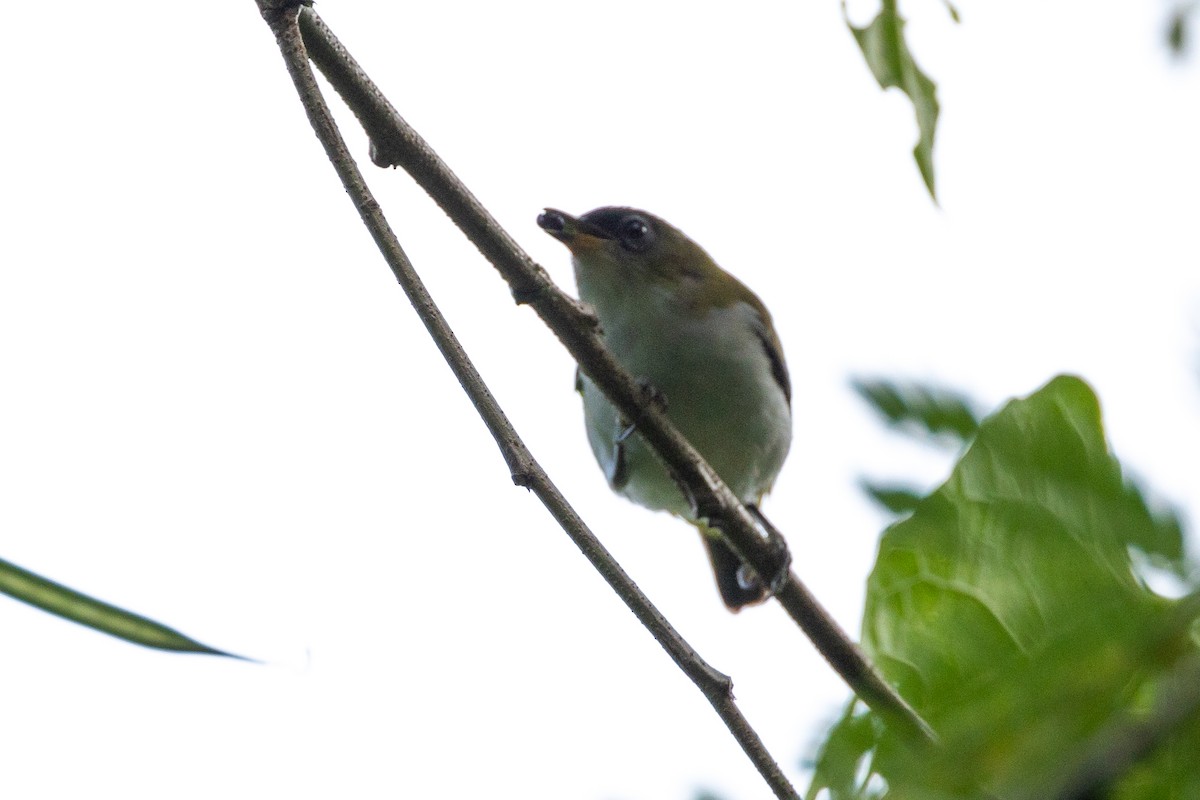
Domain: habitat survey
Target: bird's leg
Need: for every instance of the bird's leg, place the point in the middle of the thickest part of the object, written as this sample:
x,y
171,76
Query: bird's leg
x,y
652,394
653,397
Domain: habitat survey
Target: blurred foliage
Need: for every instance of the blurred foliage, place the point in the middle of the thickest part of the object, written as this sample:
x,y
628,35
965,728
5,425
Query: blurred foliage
x,y
1009,611
54,598
886,51
897,498
1179,26
932,410
942,416
929,413
1175,758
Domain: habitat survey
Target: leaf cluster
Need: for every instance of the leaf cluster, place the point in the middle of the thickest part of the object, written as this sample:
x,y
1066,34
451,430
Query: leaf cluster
x,y
1010,610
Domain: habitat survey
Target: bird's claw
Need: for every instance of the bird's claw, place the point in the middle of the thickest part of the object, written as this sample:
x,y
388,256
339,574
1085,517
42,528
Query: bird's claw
x,y
652,395
782,569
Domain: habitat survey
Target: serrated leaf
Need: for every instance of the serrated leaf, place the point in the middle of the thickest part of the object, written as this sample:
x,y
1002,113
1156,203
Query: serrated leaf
x,y
54,598
887,54
1007,608
922,407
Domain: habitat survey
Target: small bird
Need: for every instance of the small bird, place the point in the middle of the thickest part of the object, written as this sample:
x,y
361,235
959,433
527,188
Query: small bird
x,y
704,344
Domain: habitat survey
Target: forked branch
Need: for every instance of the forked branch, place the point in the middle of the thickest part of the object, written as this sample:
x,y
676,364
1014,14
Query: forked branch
x,y
394,142
525,470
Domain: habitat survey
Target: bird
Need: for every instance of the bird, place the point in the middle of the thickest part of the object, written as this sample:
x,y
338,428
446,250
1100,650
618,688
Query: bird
x,y
703,344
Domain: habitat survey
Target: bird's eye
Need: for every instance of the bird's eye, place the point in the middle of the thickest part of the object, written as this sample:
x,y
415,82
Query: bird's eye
x,y
636,234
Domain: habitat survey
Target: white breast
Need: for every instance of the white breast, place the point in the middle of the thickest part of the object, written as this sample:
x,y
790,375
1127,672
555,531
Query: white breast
x,y
720,391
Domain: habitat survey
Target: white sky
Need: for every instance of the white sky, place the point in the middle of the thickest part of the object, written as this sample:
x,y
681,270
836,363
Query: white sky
x,y
217,408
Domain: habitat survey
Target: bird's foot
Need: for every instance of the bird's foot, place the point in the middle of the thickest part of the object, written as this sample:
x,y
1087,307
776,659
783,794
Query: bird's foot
x,y
653,397
651,394
781,570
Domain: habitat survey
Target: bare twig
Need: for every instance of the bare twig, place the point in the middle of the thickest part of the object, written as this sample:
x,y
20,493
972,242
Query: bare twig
x,y
396,143
525,470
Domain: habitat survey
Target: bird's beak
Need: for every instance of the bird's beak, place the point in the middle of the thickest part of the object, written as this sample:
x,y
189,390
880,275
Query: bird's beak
x,y
577,235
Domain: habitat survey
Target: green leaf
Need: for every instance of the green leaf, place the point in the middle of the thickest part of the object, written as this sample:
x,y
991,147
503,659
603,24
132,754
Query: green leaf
x,y
925,408
1008,611
840,760
887,54
1169,774
57,599
1163,540
1150,753
895,498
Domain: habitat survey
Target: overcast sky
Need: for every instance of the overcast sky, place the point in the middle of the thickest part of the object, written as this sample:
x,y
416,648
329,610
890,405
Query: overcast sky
x,y
218,409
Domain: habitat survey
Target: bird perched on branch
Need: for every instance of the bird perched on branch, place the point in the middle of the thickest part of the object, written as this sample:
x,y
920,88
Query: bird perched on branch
x,y
704,344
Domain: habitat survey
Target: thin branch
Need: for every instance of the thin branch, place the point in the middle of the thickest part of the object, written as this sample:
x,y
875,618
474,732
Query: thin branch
x,y
525,470
395,143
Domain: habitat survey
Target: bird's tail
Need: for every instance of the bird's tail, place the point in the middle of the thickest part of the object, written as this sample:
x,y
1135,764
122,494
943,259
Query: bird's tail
x,y
739,586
